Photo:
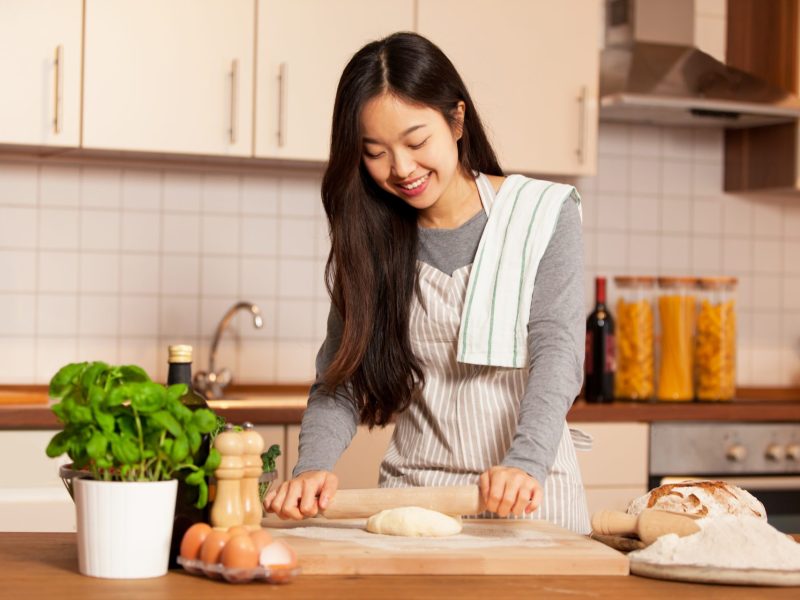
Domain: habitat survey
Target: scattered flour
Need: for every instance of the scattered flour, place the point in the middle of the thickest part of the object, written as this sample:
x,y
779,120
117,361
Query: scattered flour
x,y
726,542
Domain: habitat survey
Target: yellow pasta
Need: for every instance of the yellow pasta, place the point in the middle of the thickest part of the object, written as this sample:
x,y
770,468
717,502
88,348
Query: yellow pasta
x,y
715,350
676,315
634,377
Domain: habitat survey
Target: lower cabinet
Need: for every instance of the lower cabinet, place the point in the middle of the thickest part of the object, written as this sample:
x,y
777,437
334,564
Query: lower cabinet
x,y
614,471
32,495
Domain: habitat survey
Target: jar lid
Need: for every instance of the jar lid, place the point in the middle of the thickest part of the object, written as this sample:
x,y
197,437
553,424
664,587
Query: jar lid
x,y
624,280
670,282
715,283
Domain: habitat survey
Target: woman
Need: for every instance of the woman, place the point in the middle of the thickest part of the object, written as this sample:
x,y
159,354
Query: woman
x,y
410,181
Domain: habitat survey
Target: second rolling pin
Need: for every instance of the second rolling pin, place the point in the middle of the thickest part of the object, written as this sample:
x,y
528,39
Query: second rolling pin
x,y
451,500
649,525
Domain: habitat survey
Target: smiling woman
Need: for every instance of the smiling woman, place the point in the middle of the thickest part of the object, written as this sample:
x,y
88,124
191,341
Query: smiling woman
x,y
478,368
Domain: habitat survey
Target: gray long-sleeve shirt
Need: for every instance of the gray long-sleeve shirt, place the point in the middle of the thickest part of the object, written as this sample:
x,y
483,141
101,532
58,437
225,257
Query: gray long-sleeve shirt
x,y
556,334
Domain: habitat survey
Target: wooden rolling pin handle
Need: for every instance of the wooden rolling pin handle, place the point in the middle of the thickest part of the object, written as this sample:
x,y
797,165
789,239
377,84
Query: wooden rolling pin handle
x,y
612,522
649,525
451,500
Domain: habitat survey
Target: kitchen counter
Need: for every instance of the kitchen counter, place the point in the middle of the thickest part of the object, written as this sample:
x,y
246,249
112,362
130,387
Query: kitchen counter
x,y
284,405
46,565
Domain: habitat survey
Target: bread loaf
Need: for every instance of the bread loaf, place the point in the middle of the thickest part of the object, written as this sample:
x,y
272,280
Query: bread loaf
x,y
700,498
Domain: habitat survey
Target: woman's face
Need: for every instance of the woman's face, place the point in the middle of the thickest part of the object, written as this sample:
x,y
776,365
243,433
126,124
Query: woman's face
x,y
409,150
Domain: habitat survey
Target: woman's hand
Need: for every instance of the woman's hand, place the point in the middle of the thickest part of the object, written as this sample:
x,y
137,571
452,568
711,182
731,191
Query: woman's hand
x,y
304,496
508,490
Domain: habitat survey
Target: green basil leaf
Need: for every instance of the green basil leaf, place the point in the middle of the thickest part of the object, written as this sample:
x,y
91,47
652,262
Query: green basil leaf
x,y
195,477
125,450
58,444
132,373
179,411
167,421
127,425
180,449
176,391
205,420
80,415
105,420
195,439
105,463
148,397
65,377
213,461
91,373
202,494
96,448
166,446
58,411
119,395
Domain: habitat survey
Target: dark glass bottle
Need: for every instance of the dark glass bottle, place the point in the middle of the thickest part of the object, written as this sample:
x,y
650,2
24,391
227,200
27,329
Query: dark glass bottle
x,y
186,514
600,364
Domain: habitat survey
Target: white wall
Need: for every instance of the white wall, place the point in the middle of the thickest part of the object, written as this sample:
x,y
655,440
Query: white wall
x,y
116,263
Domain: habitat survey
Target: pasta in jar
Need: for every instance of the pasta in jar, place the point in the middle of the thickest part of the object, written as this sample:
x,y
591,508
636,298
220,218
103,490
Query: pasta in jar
x,y
676,308
715,340
634,378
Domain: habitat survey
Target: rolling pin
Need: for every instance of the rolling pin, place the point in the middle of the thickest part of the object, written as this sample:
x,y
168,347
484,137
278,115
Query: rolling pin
x,y
649,525
451,500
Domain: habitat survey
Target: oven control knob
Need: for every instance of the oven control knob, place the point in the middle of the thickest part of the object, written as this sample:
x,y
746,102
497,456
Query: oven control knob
x,y
793,451
775,452
736,453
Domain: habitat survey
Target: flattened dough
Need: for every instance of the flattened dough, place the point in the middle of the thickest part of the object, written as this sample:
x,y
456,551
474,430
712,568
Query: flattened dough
x,y
414,521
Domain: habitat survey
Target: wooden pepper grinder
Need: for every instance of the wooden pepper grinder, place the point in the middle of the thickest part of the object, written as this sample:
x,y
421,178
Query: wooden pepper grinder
x,y
227,509
251,501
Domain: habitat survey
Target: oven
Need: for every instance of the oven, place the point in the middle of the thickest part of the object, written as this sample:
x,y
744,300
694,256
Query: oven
x,y
763,458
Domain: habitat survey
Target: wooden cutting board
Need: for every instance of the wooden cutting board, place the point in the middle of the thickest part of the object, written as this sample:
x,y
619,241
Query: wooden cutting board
x,y
490,547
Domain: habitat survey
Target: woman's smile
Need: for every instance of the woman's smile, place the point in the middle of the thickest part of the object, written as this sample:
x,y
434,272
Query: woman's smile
x,y
414,187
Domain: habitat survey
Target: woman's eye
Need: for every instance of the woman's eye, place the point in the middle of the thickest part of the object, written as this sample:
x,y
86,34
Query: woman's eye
x,y
368,155
420,145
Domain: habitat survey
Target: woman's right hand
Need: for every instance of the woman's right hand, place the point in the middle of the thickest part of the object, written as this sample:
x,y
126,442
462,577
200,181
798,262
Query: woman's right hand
x,y
304,496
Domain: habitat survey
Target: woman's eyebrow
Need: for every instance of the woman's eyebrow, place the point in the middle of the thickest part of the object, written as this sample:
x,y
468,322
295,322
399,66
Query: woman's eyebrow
x,y
404,134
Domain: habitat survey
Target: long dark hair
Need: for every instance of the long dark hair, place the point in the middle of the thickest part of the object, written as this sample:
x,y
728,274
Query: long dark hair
x,y
371,273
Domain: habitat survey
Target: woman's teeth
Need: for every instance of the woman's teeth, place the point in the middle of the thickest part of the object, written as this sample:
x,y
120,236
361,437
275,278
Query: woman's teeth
x,y
416,184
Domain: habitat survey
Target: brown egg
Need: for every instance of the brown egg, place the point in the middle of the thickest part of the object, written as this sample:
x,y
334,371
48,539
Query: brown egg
x,y
193,539
280,559
212,547
261,538
237,530
240,553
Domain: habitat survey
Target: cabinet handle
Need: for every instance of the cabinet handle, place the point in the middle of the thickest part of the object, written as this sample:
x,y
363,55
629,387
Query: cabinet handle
x,y
59,84
283,74
234,99
582,121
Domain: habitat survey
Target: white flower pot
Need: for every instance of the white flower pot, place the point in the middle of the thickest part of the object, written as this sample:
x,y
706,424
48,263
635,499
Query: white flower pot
x,y
124,528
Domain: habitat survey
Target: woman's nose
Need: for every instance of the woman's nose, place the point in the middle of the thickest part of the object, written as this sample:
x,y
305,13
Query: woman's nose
x,y
403,165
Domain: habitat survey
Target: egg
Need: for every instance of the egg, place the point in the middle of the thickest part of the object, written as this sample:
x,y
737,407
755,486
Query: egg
x,y
261,538
240,553
280,559
193,539
237,530
212,547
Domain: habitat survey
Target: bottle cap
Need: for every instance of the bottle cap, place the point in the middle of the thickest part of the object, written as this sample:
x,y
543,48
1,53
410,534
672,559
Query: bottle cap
x,y
180,353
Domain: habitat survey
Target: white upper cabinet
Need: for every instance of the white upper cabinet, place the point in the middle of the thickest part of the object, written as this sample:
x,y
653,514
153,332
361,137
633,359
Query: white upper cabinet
x,y
531,67
169,76
303,46
40,71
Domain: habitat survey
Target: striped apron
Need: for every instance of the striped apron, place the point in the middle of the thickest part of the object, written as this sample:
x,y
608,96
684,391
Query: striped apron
x,y
467,417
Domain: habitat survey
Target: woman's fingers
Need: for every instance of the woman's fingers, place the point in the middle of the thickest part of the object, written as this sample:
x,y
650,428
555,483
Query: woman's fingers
x,y
291,502
328,491
537,499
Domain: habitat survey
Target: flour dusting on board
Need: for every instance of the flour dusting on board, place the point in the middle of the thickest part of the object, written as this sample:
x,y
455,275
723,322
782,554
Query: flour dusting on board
x,y
474,535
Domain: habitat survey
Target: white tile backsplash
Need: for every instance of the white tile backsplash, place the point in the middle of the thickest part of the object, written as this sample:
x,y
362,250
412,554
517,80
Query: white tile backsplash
x,y
115,263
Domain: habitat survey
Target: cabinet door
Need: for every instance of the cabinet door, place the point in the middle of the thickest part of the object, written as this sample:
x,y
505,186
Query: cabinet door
x,y
169,76
303,46
531,67
40,71
358,466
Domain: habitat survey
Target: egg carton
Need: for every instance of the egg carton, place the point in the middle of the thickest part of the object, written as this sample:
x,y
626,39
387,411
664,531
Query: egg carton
x,y
231,575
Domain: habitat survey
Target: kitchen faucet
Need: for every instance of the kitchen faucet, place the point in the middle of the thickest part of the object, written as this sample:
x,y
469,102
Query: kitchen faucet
x,y
212,383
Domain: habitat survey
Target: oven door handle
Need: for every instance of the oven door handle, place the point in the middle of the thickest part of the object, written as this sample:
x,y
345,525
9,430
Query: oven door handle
x,y
770,483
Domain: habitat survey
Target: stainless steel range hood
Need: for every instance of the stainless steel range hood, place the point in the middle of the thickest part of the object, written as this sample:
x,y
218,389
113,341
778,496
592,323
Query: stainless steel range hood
x,y
678,84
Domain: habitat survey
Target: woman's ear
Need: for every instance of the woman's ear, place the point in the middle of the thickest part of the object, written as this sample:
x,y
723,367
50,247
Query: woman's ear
x,y
458,115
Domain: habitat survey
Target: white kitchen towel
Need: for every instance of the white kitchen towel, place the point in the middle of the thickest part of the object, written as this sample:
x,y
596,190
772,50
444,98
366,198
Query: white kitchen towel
x,y
521,220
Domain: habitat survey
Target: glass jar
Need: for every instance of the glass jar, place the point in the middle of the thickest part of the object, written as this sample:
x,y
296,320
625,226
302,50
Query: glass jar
x,y
634,379
676,314
715,339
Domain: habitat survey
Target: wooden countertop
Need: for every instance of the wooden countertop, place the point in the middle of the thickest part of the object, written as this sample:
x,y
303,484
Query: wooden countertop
x,y
39,565
25,407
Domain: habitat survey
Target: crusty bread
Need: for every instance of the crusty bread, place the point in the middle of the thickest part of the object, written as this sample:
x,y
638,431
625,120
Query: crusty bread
x,y
701,498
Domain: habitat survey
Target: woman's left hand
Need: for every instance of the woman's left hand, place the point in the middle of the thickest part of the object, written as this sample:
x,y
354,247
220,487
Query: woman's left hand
x,y
508,490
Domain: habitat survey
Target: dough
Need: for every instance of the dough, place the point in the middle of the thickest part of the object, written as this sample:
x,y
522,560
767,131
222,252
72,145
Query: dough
x,y
414,521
